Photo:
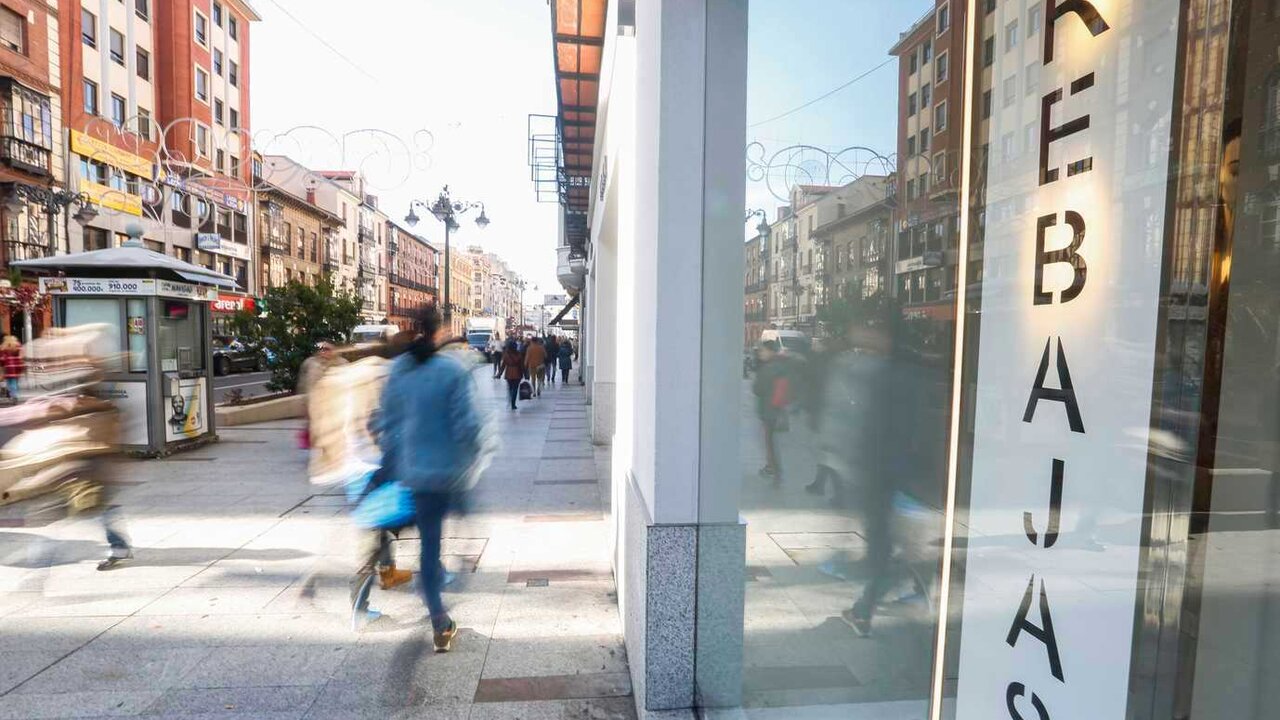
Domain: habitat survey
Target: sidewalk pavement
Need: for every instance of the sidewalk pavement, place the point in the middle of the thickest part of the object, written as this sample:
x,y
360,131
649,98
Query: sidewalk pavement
x,y
214,617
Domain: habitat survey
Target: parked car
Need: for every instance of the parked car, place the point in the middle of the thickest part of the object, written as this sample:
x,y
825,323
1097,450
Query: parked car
x,y
230,355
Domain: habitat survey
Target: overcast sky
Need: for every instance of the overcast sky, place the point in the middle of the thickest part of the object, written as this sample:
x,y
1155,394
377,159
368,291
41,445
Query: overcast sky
x,y
417,93
439,91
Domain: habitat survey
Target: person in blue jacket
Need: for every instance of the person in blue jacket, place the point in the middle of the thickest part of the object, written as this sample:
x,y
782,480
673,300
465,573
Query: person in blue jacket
x,y
431,436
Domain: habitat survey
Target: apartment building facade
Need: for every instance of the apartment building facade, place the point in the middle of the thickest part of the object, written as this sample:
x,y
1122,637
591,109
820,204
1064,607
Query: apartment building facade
x,y
341,253
412,266
294,236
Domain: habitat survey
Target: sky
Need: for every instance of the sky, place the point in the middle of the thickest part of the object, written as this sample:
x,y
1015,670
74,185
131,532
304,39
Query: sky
x,y
420,93
417,94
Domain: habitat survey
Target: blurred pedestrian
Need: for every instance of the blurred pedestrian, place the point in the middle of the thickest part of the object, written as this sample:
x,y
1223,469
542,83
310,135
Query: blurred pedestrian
x,y
432,435
773,396
535,361
512,367
11,356
553,354
313,368
494,350
566,359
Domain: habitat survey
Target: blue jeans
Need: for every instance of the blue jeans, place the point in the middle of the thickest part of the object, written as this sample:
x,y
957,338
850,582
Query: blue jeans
x,y
12,385
431,509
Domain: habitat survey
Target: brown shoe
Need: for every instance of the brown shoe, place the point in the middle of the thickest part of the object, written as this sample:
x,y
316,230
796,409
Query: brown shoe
x,y
392,578
444,638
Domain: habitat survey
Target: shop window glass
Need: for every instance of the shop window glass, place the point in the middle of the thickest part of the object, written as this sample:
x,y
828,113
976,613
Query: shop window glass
x,y
103,311
181,340
136,327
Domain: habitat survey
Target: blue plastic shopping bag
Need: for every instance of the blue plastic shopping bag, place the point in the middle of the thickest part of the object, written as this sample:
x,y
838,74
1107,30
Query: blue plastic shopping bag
x,y
387,507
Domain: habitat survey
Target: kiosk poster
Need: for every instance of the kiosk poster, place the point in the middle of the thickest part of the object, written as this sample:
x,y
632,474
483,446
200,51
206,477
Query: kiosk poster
x,y
1072,247
185,415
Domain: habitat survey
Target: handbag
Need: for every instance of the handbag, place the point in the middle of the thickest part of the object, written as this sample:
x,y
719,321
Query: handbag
x,y
526,390
387,507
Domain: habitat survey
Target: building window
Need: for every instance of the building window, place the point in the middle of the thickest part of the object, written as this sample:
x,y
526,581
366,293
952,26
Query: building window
x,y
986,104
202,140
1033,78
202,85
89,28
1010,90
217,62
911,146
233,168
144,123
926,52
912,64
1011,36
940,68
142,8
940,116
117,46
234,116
944,18
217,14
233,73
217,111
220,160
202,29
90,97
143,63
926,94
1033,20
939,168
911,104
118,110
924,140
988,51
13,31
990,6
231,27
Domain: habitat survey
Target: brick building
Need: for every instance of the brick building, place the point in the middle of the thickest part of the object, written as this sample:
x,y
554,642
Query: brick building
x,y
156,99
931,66
411,275
294,236
31,140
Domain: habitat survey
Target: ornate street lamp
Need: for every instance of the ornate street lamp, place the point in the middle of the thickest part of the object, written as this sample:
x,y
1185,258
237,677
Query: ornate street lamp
x,y
446,210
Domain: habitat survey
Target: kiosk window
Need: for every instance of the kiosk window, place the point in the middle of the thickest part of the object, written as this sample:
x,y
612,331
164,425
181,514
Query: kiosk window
x,y
181,340
136,327
85,311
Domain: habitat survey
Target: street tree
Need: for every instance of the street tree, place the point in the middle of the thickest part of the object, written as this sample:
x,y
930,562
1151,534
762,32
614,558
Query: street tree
x,y
292,320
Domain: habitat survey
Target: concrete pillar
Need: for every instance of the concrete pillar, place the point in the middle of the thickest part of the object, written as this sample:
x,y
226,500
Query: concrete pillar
x,y
676,454
604,321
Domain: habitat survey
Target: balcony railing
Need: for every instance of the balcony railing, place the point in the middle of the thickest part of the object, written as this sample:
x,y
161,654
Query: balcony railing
x,y
331,265
756,287
276,244
364,234
409,283
20,154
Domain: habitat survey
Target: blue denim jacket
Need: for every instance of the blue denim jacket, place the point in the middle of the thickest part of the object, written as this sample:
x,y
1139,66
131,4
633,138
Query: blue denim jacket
x,y
429,425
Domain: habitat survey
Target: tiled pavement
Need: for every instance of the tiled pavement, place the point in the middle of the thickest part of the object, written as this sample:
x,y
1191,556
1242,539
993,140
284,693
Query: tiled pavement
x,y
214,618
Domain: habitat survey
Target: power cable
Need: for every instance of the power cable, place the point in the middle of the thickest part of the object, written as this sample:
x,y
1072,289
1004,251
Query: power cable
x,y
324,42
825,95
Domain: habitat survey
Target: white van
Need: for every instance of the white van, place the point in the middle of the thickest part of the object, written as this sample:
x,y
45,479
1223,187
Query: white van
x,y
789,341
373,334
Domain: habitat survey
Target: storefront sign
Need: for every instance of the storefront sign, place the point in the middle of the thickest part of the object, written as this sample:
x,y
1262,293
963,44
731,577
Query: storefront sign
x,y
97,286
105,152
185,291
232,304
215,243
1064,378
109,197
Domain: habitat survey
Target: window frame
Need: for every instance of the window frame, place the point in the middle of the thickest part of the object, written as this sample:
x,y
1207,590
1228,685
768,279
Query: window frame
x,y
23,39
142,62
216,12
232,27
216,61
195,85
142,8
941,67
940,126
944,18
88,28
201,37
233,73
85,85
202,149
120,103
112,35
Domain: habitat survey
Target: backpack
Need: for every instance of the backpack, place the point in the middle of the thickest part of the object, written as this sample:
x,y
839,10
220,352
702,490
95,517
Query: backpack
x,y
526,390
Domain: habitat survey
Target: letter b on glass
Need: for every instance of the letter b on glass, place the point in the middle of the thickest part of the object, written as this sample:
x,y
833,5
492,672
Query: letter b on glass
x,y
1069,255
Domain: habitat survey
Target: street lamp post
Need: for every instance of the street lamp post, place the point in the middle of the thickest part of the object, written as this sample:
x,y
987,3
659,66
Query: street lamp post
x,y
53,202
446,210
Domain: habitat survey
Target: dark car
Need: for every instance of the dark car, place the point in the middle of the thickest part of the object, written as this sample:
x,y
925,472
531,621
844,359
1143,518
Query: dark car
x,y
230,355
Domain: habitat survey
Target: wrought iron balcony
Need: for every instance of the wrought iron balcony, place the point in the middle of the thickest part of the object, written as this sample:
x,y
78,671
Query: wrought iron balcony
x,y
331,265
22,155
364,234
275,244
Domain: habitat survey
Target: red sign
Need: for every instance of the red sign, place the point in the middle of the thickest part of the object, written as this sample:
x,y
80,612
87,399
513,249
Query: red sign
x,y
232,304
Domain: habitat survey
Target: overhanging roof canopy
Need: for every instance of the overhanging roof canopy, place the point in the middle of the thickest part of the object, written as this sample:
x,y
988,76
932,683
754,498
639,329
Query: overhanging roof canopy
x,y
578,27
132,259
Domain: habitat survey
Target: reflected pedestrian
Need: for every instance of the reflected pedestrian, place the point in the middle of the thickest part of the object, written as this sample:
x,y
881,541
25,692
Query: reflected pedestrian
x,y
432,435
11,356
553,355
773,395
